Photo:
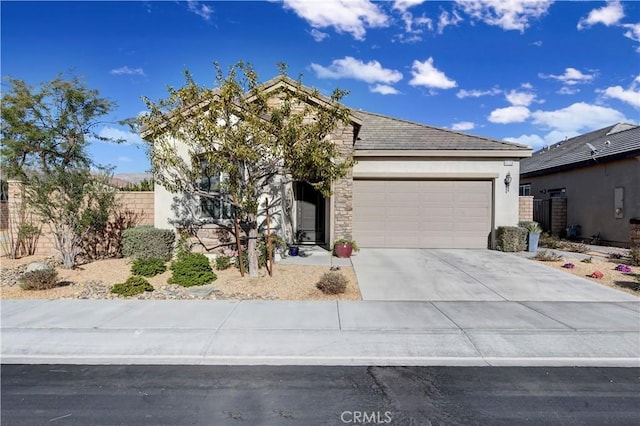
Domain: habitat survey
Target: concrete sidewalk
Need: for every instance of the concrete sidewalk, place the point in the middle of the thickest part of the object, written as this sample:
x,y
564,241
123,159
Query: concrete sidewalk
x,y
463,333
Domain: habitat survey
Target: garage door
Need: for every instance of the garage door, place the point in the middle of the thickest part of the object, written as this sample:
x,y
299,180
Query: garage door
x,y
421,214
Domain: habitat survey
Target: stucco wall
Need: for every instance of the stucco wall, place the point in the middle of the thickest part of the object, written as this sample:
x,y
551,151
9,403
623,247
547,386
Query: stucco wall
x,y
590,196
506,206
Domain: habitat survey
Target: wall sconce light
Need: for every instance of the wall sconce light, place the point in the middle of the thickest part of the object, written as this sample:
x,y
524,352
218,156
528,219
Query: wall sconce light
x,y
507,181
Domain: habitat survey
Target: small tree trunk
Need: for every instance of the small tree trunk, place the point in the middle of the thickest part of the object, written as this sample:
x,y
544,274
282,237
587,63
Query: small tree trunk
x,y
67,244
252,247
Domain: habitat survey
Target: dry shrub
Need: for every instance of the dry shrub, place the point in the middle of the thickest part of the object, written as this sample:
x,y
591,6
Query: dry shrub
x,y
332,282
41,279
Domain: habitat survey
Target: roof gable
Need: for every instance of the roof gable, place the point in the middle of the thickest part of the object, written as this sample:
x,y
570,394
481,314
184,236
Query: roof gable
x,y
380,132
601,145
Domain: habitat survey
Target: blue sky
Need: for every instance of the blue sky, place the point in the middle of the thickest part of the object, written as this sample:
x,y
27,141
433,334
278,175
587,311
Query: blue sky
x,y
532,72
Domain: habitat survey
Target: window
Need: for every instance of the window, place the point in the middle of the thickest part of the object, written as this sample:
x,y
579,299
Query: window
x,y
525,189
218,208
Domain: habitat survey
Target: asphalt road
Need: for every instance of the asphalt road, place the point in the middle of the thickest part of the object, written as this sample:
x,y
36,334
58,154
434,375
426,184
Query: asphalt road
x,y
219,395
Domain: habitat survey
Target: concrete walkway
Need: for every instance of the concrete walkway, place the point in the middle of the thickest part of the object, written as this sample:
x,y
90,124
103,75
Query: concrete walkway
x,y
481,333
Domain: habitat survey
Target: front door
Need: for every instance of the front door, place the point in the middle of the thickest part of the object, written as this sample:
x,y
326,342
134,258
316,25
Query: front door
x,y
310,214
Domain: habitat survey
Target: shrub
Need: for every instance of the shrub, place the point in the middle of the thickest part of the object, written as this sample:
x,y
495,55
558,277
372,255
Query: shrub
x,y
547,256
41,279
191,269
148,267
332,282
614,256
511,238
575,247
587,260
145,241
132,286
549,241
222,262
634,256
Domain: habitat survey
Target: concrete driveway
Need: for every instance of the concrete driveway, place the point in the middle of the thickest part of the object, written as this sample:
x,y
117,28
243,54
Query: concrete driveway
x,y
470,275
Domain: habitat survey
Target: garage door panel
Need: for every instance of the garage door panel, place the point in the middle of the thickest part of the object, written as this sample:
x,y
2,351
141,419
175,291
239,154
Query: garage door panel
x,y
429,214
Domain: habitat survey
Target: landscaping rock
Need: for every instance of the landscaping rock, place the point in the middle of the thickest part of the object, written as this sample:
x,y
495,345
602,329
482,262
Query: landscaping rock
x,y
37,266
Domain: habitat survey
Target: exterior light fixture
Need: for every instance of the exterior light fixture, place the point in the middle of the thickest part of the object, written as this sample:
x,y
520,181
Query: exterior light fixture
x,y
507,181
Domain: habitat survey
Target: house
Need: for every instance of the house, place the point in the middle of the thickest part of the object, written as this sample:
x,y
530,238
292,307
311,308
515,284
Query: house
x,y
595,176
413,185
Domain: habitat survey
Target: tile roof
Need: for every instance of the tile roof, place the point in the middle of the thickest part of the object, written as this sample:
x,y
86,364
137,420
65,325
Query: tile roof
x,y
380,132
608,143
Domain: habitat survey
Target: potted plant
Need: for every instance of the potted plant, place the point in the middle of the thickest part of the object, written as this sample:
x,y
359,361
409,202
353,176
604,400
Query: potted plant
x,y
344,247
534,235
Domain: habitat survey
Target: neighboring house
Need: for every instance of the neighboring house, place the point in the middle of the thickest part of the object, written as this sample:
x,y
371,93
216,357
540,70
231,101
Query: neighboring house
x,y
596,174
412,186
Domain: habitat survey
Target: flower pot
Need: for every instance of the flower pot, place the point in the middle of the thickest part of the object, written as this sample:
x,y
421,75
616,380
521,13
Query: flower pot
x,y
533,242
343,250
294,251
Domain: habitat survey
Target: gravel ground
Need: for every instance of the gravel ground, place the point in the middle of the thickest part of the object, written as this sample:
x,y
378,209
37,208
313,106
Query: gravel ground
x,y
94,280
611,277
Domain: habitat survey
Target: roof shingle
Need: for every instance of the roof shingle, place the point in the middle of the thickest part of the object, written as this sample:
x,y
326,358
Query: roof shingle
x,y
380,132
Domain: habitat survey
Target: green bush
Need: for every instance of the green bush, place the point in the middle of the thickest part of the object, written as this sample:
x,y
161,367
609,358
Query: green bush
x,y
547,256
132,286
530,226
191,269
549,241
41,279
148,267
222,262
332,282
511,238
145,241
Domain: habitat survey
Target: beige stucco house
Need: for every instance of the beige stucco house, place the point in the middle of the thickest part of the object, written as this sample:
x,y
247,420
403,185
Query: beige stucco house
x,y
597,177
413,185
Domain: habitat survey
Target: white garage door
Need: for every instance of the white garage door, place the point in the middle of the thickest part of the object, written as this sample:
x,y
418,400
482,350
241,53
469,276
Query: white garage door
x,y
422,214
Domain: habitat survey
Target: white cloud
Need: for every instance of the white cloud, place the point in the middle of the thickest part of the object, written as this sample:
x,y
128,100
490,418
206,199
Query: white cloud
x,y
506,14
534,141
463,125
578,117
537,43
607,15
462,93
123,136
570,77
447,19
511,114
526,86
421,21
568,90
318,35
349,67
630,95
127,71
384,89
200,9
425,74
403,5
520,98
345,16
633,31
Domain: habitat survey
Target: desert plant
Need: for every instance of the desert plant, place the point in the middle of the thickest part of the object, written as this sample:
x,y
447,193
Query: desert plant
x,y
222,262
332,282
531,226
634,256
191,269
587,260
148,267
614,256
41,279
511,238
547,256
145,241
132,286
354,245
549,241
575,247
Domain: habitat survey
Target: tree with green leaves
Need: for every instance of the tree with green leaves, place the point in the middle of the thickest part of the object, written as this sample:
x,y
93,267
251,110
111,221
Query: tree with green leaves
x,y
250,133
45,134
